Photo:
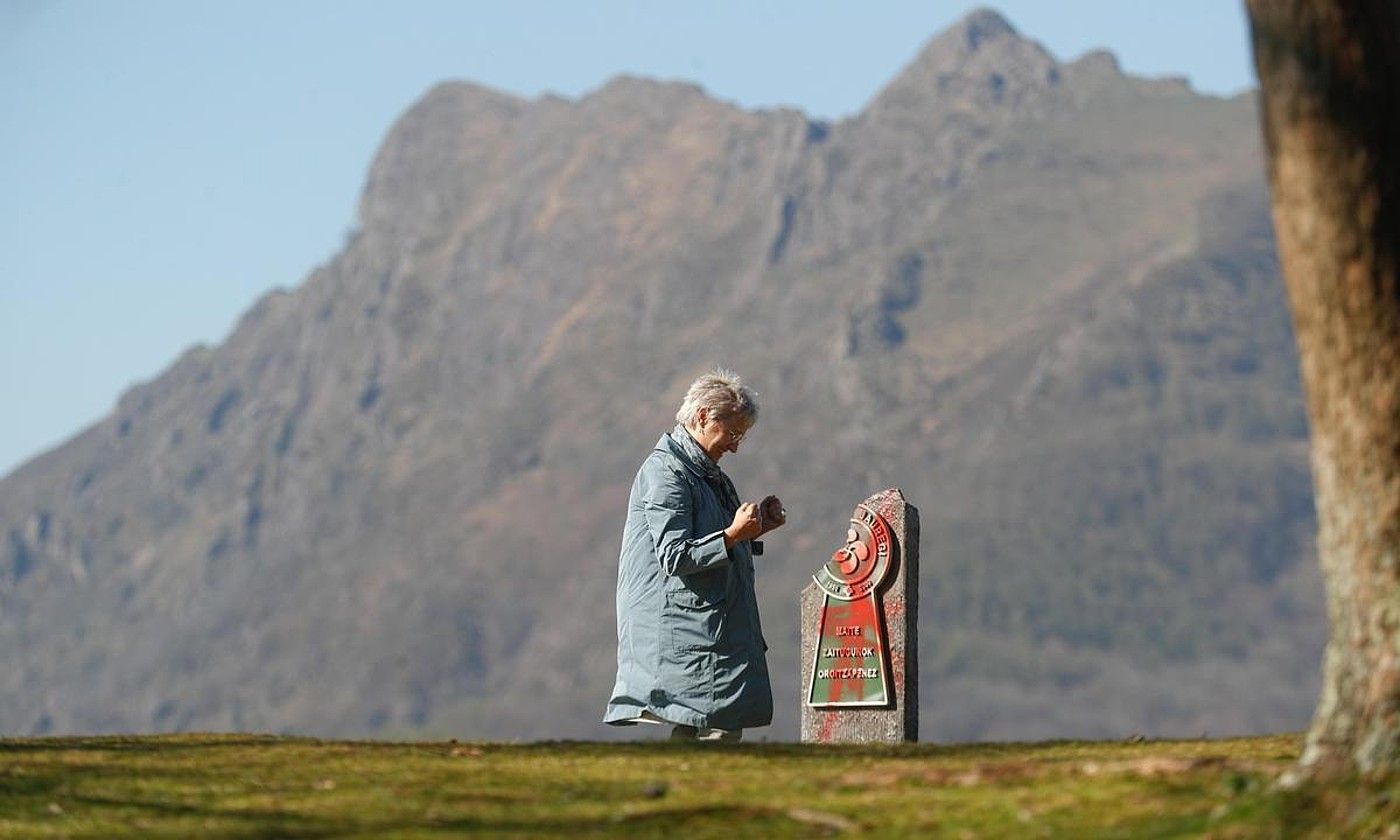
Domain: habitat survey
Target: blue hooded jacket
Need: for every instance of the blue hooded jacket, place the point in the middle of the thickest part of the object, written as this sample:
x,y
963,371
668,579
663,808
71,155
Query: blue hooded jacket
x,y
690,649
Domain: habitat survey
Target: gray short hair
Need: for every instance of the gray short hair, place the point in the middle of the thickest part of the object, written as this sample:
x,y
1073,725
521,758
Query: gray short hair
x,y
723,394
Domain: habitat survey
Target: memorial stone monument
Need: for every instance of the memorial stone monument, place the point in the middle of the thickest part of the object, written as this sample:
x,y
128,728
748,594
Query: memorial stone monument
x,y
860,642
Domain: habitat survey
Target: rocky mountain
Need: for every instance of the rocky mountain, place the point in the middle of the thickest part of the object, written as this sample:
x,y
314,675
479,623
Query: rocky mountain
x,y
1040,297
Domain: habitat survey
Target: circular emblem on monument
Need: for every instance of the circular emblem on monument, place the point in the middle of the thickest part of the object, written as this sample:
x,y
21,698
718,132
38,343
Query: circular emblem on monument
x,y
863,562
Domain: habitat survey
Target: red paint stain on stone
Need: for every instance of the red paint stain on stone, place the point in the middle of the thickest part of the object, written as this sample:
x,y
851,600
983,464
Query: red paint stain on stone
x,y
885,504
894,608
863,613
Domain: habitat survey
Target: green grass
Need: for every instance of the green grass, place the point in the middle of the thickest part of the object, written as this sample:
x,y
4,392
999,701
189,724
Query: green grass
x,y
262,786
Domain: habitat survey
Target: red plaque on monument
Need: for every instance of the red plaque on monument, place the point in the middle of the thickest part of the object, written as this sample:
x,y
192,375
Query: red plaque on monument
x,y
850,664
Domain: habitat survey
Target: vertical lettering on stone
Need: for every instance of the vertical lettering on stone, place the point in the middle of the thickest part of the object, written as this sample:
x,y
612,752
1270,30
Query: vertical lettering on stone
x,y
859,645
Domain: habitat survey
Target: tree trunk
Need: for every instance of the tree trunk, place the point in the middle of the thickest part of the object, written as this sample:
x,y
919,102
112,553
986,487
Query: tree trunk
x,y
1329,72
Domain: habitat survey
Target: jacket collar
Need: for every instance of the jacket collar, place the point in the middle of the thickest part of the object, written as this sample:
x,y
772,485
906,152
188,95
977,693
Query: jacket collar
x,y
679,443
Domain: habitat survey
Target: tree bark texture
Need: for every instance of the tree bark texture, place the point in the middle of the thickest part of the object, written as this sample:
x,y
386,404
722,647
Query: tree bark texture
x,y
1329,72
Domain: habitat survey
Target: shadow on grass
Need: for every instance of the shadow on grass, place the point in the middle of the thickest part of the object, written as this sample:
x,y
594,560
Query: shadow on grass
x,y
145,743
825,752
691,822
48,806
147,817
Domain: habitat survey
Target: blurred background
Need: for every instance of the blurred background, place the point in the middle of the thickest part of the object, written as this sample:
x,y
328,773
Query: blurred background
x,y
150,144
334,332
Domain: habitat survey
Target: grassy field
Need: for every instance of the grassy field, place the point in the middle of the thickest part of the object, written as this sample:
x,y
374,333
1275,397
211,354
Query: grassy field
x,y
263,786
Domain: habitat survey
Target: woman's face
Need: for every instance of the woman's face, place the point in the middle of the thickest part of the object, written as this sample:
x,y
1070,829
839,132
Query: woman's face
x,y
717,436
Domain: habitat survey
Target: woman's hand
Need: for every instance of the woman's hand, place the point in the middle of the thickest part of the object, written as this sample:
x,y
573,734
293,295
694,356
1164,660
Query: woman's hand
x,y
747,524
773,513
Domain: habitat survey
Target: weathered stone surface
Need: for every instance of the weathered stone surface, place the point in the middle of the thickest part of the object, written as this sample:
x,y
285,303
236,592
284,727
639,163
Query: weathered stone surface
x,y
898,599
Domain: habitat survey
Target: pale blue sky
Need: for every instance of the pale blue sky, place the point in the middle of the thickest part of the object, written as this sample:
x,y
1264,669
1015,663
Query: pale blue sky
x,y
164,162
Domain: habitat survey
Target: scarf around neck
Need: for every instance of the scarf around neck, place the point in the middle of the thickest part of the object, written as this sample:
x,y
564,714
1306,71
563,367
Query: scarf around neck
x,y
703,464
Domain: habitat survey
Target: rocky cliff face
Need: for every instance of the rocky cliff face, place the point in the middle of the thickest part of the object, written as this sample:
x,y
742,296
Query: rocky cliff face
x,y
1039,297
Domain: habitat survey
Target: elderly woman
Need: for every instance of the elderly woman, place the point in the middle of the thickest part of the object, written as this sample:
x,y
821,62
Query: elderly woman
x,y
690,651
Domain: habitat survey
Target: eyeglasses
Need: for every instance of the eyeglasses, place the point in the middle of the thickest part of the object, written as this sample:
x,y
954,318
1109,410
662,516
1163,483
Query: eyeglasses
x,y
736,437
728,429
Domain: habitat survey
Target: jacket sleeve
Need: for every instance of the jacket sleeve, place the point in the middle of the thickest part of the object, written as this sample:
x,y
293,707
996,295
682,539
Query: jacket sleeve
x,y
669,508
